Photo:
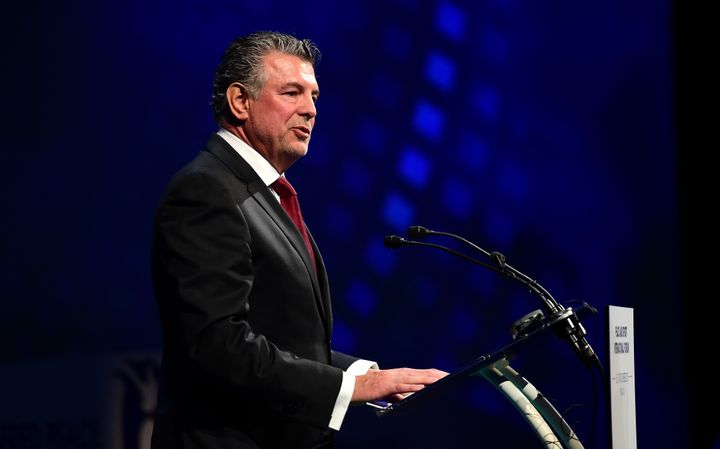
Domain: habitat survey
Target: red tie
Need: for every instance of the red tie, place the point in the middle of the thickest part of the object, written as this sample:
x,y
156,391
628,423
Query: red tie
x,y
289,202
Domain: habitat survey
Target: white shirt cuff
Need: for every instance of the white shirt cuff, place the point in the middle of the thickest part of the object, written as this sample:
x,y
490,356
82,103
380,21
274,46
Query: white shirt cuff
x,y
358,368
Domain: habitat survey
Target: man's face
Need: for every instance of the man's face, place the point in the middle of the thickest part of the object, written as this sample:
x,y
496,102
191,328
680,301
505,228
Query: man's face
x,y
281,118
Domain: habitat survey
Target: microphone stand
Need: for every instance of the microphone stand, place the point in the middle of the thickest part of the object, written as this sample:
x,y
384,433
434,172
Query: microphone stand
x,y
551,304
569,325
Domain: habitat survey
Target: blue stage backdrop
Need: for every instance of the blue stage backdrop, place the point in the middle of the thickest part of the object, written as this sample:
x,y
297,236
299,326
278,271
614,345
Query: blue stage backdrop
x,y
542,130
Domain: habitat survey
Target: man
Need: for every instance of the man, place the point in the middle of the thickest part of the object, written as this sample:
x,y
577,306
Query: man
x,y
241,286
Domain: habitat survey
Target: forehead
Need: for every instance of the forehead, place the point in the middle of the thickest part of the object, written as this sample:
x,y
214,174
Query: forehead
x,y
284,68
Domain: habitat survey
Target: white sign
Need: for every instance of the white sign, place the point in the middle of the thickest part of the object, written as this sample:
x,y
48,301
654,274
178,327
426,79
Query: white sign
x,y
622,377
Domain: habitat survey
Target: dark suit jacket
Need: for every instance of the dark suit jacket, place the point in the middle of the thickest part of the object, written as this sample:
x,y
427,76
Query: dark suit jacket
x,y
246,319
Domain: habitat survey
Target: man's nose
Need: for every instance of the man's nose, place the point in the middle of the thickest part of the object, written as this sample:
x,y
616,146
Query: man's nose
x,y
307,108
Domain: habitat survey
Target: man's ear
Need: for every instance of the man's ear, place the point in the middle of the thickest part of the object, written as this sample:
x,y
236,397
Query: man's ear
x,y
238,100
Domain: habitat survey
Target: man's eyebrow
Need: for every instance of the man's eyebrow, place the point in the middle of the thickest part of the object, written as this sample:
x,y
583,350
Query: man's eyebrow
x,y
300,86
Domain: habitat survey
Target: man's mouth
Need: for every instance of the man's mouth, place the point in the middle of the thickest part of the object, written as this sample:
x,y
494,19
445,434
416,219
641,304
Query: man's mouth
x,y
302,132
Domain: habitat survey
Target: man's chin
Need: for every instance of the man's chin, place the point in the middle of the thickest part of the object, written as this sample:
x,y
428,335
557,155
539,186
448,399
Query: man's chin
x,y
298,150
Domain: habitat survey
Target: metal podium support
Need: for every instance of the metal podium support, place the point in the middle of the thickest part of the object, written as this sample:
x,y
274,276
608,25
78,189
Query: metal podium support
x,y
547,423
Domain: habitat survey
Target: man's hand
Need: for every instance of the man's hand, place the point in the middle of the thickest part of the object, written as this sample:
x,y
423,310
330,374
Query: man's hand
x,y
393,383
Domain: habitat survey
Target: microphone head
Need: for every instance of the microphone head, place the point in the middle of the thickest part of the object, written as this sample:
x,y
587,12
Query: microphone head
x,y
393,241
498,258
417,232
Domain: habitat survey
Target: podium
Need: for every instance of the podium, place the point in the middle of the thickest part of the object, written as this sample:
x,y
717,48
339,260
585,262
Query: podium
x,y
547,423
540,414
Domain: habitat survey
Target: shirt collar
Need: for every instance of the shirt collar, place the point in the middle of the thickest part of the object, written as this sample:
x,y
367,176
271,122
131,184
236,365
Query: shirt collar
x,y
262,167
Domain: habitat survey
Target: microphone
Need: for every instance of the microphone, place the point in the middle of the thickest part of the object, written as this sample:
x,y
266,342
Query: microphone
x,y
395,241
567,325
418,232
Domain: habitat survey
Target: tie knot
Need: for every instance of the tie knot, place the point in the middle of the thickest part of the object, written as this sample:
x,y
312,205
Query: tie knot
x,y
283,188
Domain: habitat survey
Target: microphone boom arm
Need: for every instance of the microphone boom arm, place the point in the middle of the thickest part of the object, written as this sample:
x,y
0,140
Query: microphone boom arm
x,y
550,303
399,241
572,329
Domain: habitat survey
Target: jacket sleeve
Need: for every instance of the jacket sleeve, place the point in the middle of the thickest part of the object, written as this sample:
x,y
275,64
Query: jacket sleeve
x,y
342,361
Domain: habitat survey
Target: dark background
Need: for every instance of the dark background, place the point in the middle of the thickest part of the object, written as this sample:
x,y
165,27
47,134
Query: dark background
x,y
556,133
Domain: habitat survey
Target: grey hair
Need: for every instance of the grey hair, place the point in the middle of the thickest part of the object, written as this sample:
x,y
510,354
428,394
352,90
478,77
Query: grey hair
x,y
242,62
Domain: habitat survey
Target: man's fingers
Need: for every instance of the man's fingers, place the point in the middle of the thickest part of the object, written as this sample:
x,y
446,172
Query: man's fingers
x,y
409,388
379,384
427,376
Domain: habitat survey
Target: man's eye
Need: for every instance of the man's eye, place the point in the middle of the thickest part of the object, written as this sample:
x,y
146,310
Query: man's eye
x,y
291,93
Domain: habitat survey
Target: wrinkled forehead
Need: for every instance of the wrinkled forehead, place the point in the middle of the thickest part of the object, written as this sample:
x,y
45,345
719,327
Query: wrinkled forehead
x,y
282,67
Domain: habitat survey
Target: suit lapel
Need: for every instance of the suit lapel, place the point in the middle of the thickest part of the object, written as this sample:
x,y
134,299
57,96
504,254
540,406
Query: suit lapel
x,y
324,285
261,193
